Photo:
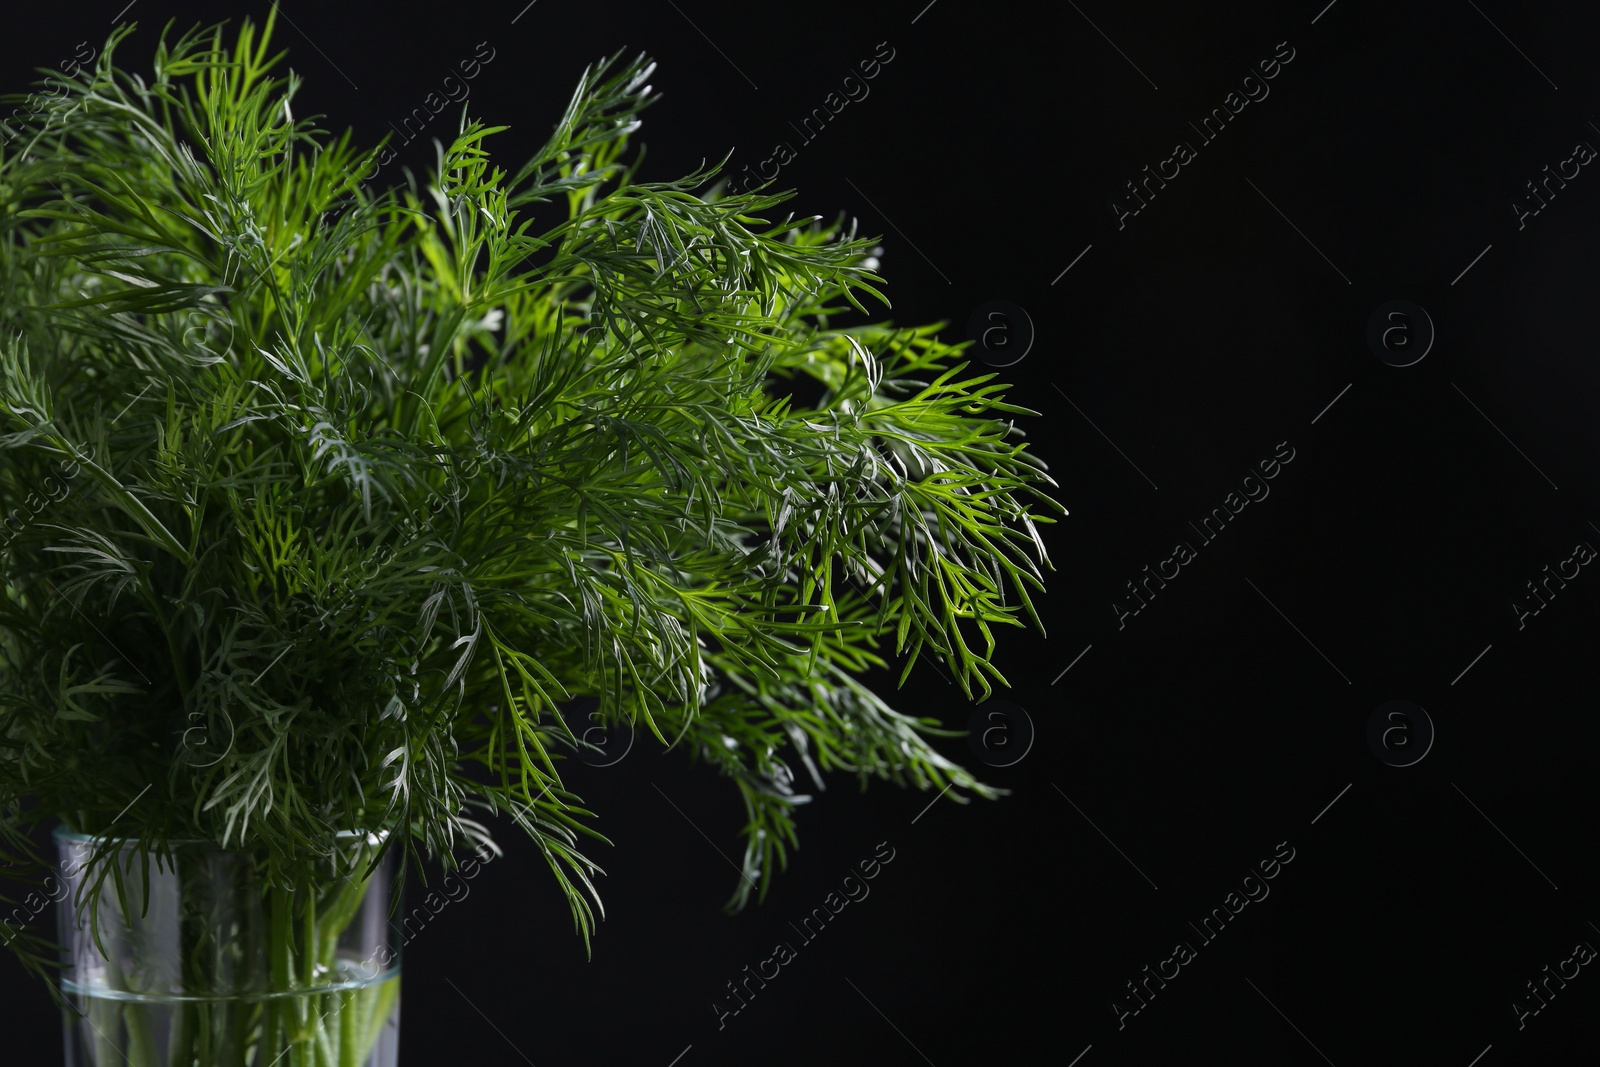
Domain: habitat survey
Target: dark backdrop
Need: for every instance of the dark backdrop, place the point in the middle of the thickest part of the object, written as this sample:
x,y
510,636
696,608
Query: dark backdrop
x,y
1427,858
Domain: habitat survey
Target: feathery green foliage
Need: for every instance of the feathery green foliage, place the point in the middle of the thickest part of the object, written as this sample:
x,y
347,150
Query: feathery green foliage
x,y
319,502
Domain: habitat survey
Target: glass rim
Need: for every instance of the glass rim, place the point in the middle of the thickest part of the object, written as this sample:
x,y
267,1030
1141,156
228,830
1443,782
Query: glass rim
x,y
62,834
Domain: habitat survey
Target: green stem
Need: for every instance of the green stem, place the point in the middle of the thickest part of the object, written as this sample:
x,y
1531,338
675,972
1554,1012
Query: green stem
x,y
349,1025
272,1027
131,1016
183,1035
100,1017
308,954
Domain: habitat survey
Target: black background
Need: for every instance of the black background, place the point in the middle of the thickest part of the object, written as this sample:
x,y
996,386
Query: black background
x,y
1176,353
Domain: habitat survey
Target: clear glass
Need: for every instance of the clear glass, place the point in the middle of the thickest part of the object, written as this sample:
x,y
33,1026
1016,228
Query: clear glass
x,y
189,960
